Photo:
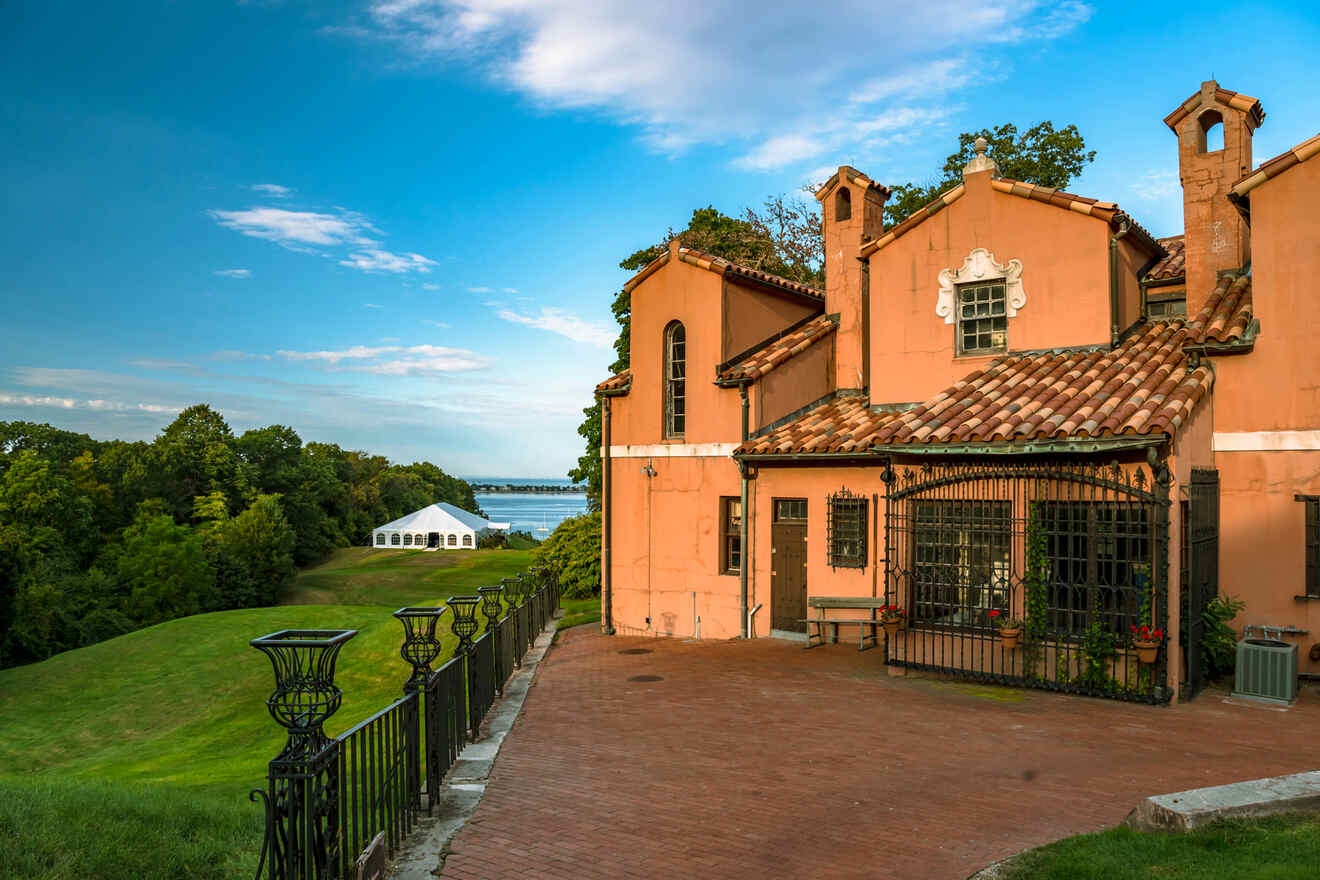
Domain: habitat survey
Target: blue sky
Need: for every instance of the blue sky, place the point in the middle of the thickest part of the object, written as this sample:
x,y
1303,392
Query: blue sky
x,y
396,224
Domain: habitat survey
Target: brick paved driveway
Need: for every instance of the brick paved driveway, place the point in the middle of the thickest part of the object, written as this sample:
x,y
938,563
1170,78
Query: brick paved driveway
x,y
760,760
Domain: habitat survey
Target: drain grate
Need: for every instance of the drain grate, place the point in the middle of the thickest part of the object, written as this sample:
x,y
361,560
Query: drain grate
x,y
636,651
645,678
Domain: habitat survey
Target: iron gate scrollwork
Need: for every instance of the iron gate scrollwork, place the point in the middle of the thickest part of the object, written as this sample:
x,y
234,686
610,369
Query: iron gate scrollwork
x,y
1077,553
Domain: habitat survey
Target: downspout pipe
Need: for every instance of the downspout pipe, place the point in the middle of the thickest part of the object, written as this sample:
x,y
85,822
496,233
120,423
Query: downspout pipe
x,y
1123,229
743,530
606,511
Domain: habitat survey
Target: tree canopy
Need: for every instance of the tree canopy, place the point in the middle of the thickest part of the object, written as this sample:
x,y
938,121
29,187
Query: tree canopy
x,y
99,538
1041,155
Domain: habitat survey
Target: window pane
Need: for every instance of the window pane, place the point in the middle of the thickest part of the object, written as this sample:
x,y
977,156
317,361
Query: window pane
x,y
982,318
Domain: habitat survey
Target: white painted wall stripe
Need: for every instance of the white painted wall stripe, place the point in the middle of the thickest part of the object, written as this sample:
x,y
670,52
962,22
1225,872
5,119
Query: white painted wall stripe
x,y
674,450
1266,441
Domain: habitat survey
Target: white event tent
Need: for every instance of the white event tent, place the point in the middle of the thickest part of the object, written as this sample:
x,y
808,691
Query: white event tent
x,y
440,526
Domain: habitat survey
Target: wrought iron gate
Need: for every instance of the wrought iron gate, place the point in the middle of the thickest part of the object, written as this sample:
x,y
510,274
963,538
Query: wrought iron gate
x,y
1202,583
1077,552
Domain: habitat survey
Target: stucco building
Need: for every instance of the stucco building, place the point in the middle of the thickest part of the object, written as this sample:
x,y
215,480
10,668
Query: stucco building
x,y
1016,400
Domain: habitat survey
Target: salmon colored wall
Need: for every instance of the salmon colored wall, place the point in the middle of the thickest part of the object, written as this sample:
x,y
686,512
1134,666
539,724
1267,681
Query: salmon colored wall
x,y
1065,275
815,485
678,291
798,382
1191,448
843,240
1276,387
672,521
1261,540
754,314
1131,260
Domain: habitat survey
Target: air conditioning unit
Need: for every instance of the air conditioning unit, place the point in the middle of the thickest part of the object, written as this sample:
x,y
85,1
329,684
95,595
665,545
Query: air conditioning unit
x,y
1266,670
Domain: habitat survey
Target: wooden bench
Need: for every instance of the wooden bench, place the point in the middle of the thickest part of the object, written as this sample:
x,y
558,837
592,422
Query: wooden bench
x,y
865,625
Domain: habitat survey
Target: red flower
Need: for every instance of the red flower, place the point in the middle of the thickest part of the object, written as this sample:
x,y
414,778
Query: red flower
x,y
1158,634
994,613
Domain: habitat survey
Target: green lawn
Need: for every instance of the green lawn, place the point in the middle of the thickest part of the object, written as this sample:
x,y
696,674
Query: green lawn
x,y
578,612
366,576
153,739
1275,848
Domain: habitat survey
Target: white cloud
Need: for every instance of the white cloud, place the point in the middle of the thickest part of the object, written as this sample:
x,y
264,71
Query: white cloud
x,y
429,286
565,324
372,306
429,360
231,354
478,290
120,406
356,352
298,227
271,189
509,289
233,273
793,81
36,400
373,260
441,324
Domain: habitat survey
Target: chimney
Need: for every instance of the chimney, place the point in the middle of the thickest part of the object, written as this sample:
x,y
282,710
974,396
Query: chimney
x,y
852,210
1214,129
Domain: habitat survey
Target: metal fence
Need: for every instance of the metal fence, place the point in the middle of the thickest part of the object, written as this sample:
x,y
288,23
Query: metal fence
x,y
327,798
1031,573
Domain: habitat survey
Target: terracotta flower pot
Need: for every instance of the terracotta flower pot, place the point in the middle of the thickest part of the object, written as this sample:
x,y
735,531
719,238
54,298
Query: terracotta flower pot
x,y
1146,650
891,625
1009,637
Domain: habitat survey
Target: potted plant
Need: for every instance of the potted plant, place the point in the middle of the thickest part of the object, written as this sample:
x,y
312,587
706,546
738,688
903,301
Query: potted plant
x,y
1010,628
892,618
1146,642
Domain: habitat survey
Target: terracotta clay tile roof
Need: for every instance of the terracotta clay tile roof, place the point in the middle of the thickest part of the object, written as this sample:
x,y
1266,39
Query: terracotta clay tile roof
x,y
1143,386
843,425
1276,166
619,383
1236,100
779,351
1226,315
1107,211
721,266
854,176
1172,266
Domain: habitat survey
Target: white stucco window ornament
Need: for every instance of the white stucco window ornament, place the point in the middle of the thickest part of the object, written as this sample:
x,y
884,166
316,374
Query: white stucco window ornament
x,y
981,265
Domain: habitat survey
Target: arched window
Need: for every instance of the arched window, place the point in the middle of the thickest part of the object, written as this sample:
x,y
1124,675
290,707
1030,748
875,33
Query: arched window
x,y
842,203
407,540
467,540
394,539
1212,131
675,381
380,539
453,540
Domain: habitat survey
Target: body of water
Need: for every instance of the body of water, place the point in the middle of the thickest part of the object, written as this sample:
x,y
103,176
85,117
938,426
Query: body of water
x,y
528,512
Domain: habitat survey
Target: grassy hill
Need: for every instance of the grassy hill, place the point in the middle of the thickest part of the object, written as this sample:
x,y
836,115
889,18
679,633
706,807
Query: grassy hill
x,y
133,758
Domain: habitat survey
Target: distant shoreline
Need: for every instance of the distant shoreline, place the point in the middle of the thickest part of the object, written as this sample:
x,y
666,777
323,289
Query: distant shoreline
x,y
512,489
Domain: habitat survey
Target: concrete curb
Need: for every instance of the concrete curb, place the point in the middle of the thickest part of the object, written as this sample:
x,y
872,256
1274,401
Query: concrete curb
x,y
1186,810
423,855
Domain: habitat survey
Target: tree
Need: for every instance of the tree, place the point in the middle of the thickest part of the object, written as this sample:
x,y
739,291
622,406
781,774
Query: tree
x,y
197,453
783,239
162,571
1040,155
252,555
573,550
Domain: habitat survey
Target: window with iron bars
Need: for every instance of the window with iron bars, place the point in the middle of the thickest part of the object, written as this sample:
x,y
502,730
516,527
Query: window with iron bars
x,y
1100,556
1312,545
846,530
961,561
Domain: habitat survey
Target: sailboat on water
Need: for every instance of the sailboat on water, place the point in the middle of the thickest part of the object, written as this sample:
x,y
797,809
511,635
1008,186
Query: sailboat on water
x,y
542,530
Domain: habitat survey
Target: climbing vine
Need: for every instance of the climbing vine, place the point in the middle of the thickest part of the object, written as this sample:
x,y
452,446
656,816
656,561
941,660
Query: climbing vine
x,y
1035,580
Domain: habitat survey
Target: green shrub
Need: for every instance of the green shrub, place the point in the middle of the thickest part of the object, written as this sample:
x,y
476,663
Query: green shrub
x,y
1218,640
573,550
